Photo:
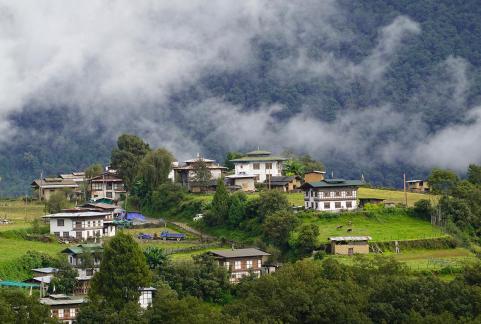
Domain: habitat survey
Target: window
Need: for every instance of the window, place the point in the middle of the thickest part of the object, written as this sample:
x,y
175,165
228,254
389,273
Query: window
x,y
109,195
338,194
78,224
89,272
227,265
313,193
259,263
321,194
337,204
327,205
65,234
97,186
268,166
348,204
249,264
60,313
56,233
237,265
256,166
72,312
60,222
332,193
354,193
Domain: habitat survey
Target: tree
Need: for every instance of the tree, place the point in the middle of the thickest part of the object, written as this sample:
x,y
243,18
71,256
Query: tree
x,y
294,167
64,280
236,210
231,156
307,239
155,257
270,202
442,181
219,211
202,174
122,272
94,170
17,307
474,174
126,157
154,168
278,226
167,196
423,209
56,203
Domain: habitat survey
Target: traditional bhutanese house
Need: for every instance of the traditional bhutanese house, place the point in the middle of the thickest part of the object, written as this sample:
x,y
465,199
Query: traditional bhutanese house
x,y
314,176
284,183
245,182
370,200
261,164
46,187
76,256
349,245
62,307
185,174
331,194
108,185
418,186
241,262
81,225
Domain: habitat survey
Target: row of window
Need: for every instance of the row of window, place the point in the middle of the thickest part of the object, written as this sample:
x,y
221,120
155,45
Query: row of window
x,y
68,313
249,264
108,186
239,275
327,205
322,194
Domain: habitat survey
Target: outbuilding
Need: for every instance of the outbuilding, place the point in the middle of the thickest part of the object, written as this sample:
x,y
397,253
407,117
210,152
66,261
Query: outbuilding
x,y
349,245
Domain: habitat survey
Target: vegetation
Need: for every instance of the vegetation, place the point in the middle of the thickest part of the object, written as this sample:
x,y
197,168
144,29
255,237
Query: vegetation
x,y
17,307
56,203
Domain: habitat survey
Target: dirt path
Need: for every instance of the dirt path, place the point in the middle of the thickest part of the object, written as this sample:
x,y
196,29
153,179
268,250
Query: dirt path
x,y
189,229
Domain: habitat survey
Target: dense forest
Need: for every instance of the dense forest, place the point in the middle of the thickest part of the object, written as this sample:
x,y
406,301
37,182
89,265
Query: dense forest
x,y
398,72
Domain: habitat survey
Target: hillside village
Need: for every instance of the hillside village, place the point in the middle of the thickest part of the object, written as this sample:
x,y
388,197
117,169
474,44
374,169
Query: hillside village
x,y
308,215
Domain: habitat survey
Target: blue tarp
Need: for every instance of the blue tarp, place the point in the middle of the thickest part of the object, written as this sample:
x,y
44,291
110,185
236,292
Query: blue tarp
x,y
135,215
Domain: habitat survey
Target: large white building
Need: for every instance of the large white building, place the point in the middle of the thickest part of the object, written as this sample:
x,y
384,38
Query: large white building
x,y
331,194
260,164
79,225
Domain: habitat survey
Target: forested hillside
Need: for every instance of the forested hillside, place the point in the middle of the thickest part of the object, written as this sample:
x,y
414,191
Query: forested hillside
x,y
378,87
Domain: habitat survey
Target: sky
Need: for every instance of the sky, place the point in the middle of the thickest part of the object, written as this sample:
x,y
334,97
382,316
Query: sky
x,y
126,59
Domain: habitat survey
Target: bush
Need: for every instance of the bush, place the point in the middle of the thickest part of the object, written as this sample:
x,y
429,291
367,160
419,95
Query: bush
x,y
56,203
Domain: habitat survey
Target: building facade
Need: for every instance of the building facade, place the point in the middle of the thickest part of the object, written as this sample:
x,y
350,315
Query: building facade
x,y
350,245
241,262
244,182
421,186
261,164
46,187
85,258
185,174
62,307
284,183
107,185
81,225
331,194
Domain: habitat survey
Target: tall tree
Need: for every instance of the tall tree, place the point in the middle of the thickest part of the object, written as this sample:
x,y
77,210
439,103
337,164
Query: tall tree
x,y
56,203
443,181
126,157
474,174
219,211
122,272
94,170
278,226
155,167
202,174
270,202
231,156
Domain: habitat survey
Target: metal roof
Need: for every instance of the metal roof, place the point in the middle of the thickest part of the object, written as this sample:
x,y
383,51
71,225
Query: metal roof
x,y
79,249
239,253
75,215
60,299
350,238
45,270
258,152
8,283
259,158
330,183
240,176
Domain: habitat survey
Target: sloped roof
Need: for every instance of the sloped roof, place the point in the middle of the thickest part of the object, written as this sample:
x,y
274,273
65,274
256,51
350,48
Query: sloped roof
x,y
258,152
350,238
77,214
239,253
54,183
332,183
82,248
259,158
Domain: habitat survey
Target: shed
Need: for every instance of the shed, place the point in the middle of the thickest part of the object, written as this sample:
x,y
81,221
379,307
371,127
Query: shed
x,y
349,245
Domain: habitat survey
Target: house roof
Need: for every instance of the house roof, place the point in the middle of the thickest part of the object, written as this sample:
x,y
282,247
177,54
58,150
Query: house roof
x,y
332,183
77,214
54,183
414,181
100,205
258,152
316,171
82,248
198,159
106,177
61,299
350,238
281,180
43,279
240,176
258,158
191,167
239,253
45,270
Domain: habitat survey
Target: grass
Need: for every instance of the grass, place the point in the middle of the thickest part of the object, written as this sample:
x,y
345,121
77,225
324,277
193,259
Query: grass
x,y
386,226
426,260
20,213
297,198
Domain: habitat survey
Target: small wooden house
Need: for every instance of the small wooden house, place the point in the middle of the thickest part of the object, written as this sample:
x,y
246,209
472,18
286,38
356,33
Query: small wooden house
x,y
420,186
350,245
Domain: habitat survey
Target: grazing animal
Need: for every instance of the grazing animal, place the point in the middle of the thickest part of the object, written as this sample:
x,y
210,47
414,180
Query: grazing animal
x,y
340,226
349,229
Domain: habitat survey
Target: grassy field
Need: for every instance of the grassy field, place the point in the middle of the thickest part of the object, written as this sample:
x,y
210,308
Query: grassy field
x,y
297,199
20,213
387,226
425,260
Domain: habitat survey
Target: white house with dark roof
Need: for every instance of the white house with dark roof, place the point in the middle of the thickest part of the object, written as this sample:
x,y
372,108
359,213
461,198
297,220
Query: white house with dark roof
x,y
331,194
241,262
185,172
80,225
261,164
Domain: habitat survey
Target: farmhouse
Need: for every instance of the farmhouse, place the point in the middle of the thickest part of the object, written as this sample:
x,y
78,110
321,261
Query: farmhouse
x,y
185,173
241,262
46,187
260,164
284,183
349,245
108,185
77,177
62,307
80,225
418,186
245,182
85,258
331,194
